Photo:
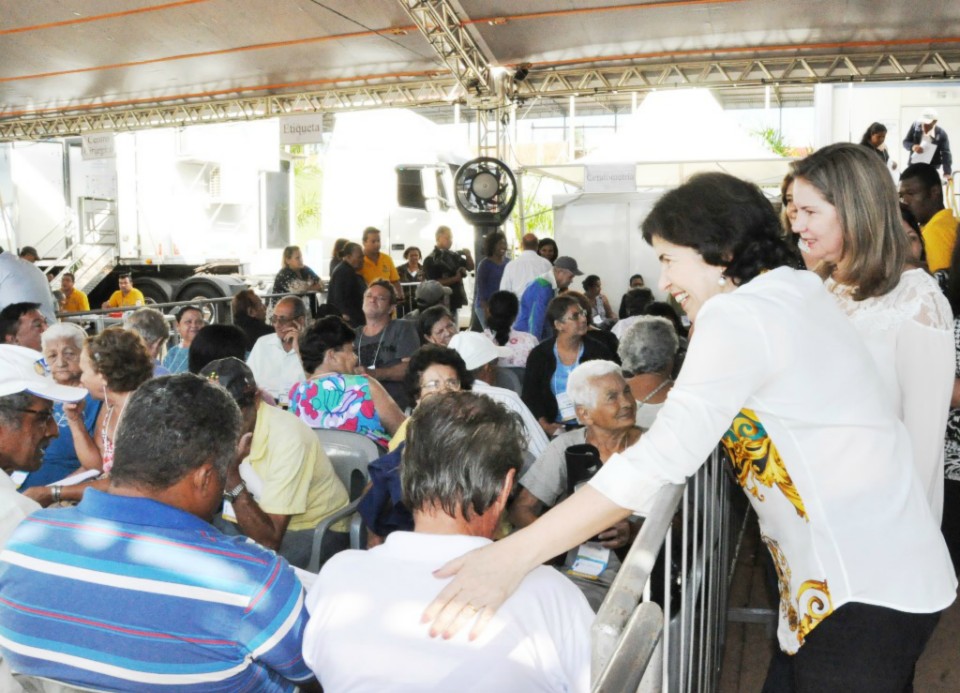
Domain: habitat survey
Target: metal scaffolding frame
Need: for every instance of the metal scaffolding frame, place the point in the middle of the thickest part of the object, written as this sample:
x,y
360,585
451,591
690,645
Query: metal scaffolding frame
x,y
607,87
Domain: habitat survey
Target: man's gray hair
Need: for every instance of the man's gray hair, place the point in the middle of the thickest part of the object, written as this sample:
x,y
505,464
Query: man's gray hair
x,y
148,323
171,426
580,385
10,406
649,346
64,330
460,447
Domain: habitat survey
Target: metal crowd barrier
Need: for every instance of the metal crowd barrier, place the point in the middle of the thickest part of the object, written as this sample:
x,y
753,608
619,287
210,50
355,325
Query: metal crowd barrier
x,y
101,318
639,645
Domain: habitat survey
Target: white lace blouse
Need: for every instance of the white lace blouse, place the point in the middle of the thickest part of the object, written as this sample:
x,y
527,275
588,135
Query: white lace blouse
x,y
909,333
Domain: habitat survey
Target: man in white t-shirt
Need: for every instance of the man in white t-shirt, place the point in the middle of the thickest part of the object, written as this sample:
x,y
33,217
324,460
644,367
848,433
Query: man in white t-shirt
x,y
524,268
365,632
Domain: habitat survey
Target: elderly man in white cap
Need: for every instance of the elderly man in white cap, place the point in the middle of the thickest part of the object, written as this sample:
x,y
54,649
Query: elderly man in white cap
x,y
480,355
928,143
27,426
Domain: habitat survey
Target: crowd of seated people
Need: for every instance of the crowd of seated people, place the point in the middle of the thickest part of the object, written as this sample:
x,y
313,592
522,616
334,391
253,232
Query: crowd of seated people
x,y
220,430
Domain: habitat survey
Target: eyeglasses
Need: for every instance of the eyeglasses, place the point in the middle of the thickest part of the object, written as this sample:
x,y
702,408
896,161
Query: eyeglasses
x,y
281,320
44,416
575,315
452,384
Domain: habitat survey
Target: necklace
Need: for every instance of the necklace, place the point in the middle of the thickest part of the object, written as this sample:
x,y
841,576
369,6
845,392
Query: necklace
x,y
373,362
655,391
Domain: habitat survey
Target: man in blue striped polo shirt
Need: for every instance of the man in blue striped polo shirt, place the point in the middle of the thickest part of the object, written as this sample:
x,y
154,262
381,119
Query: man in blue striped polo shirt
x,y
133,589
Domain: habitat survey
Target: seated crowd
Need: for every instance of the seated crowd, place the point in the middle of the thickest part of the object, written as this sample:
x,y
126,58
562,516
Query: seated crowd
x,y
158,506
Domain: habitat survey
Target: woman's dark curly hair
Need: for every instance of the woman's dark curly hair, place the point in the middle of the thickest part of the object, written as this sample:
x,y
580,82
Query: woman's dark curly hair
x,y
427,356
325,334
725,219
121,357
490,242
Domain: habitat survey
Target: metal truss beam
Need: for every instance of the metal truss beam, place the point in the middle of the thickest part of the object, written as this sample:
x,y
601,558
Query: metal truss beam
x,y
599,86
744,72
446,33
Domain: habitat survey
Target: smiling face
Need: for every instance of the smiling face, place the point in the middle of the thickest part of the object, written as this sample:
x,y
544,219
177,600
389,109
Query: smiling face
x,y
63,359
22,446
687,277
190,323
817,223
615,410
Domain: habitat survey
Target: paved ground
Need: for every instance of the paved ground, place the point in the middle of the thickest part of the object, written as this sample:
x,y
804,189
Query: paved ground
x,y
749,645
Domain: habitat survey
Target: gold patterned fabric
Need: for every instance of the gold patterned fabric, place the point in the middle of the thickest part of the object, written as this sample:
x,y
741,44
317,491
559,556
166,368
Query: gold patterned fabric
x,y
756,461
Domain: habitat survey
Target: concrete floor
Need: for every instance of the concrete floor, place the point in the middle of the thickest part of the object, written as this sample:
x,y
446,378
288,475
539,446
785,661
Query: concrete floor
x,y
749,646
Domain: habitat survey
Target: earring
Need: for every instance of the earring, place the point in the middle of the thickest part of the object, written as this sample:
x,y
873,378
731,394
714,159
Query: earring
x,y
722,281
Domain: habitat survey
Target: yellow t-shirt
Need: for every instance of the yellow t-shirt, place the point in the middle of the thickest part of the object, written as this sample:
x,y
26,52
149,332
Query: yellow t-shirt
x,y
939,236
298,479
77,301
134,298
383,268
399,436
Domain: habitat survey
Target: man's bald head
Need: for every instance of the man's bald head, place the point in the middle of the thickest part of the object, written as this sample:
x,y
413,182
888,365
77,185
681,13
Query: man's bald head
x,y
529,241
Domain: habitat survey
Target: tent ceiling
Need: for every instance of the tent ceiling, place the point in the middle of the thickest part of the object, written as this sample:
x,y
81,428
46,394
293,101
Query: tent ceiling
x,y
64,60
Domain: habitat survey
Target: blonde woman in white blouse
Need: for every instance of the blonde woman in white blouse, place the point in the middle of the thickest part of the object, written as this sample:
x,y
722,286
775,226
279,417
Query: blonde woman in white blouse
x,y
775,372
848,220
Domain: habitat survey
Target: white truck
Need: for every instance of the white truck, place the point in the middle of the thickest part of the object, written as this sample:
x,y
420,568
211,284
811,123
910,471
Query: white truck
x,y
183,209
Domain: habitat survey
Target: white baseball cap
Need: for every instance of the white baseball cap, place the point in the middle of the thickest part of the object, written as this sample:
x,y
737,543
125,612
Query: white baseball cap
x,y
476,349
928,116
21,370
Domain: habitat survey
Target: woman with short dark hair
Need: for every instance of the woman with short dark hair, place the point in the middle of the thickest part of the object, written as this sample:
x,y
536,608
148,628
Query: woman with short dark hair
x,y
551,362
347,286
334,396
778,375
435,326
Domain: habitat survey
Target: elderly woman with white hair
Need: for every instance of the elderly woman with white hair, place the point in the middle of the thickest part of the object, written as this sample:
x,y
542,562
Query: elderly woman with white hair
x,y
606,407
648,350
62,344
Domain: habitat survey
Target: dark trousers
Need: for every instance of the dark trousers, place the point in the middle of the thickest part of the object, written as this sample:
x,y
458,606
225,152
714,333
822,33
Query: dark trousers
x,y
951,519
859,648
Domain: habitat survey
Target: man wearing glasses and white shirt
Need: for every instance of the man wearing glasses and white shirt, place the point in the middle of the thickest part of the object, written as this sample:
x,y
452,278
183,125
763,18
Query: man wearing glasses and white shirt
x,y
275,358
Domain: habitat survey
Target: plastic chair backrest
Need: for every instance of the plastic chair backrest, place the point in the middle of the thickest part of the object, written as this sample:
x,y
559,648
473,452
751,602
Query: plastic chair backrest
x,y
349,453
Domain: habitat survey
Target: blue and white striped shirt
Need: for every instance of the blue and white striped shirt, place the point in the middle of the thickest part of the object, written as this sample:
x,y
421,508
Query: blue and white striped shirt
x,y
125,593
177,359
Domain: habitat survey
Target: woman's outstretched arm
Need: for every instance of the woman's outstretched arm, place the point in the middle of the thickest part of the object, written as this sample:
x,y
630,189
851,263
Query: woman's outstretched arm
x,y
484,578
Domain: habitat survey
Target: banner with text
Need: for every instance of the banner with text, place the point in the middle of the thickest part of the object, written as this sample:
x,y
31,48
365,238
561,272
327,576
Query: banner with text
x,y
610,178
101,145
302,129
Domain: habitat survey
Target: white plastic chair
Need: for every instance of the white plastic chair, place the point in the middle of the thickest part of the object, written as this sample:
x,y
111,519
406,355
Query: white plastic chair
x,y
350,454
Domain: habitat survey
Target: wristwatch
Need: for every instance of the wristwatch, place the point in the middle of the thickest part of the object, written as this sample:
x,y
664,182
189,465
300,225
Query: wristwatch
x,y
232,494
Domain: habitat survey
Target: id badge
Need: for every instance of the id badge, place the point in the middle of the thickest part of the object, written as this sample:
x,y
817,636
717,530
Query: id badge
x,y
565,405
591,560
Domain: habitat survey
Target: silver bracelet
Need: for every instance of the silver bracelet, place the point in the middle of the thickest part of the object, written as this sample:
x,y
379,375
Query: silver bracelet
x,y
56,491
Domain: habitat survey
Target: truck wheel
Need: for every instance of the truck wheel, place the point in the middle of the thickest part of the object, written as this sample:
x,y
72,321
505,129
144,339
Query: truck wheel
x,y
196,294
